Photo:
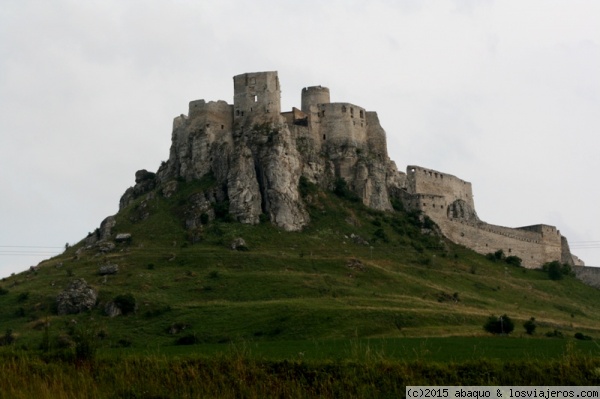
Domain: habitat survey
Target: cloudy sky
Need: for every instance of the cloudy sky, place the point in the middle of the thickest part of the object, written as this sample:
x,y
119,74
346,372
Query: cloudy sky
x,y
504,94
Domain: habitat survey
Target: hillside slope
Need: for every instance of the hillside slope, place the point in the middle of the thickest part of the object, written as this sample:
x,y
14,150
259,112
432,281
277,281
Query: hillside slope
x,y
353,271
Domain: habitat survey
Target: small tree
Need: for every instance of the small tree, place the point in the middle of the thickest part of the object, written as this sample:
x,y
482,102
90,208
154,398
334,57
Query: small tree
x,y
530,326
499,325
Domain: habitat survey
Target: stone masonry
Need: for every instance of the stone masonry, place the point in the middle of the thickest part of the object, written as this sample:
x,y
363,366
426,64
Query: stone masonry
x,y
257,155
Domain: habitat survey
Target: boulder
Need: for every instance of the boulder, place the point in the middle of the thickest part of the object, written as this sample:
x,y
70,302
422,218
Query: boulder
x,y
108,269
239,244
77,298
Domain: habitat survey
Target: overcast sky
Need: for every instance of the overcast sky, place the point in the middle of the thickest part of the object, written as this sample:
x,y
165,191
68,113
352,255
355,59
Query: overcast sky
x,y
504,94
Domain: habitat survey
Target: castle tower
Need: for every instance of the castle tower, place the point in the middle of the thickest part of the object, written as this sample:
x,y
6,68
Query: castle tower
x,y
256,97
314,95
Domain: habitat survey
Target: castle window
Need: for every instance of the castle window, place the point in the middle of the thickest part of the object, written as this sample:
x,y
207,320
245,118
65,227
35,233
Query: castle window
x,y
222,127
361,114
343,108
208,125
242,113
237,112
254,98
324,137
509,250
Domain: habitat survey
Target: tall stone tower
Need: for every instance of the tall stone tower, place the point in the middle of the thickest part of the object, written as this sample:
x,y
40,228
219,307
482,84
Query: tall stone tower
x,y
314,95
256,98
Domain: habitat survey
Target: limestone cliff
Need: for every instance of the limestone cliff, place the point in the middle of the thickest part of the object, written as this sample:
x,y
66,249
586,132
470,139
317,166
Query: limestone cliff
x,y
256,155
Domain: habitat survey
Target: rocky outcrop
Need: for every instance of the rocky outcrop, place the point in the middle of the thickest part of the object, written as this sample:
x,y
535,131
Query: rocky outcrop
x,y
77,298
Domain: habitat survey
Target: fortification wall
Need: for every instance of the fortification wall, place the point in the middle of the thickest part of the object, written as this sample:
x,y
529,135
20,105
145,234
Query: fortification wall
x,y
343,124
314,95
485,238
589,275
428,181
376,137
256,98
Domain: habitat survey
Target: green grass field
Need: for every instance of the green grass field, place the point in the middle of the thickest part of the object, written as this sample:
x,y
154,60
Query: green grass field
x,y
319,295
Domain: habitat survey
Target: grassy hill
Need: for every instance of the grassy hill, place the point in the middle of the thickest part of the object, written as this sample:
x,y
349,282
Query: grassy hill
x,y
353,273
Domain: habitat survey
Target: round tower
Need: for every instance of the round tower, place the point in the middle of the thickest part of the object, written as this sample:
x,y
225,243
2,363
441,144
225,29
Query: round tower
x,y
314,95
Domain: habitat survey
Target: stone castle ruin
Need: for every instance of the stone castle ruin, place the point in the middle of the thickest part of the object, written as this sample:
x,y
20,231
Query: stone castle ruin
x,y
257,154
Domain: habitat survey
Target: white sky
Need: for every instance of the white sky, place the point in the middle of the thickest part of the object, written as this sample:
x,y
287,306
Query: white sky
x,y
504,94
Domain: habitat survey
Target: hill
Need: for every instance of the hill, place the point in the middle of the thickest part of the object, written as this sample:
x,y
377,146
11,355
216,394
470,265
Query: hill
x,y
353,272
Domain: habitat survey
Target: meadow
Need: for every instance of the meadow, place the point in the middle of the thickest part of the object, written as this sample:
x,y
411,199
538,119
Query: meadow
x,y
359,304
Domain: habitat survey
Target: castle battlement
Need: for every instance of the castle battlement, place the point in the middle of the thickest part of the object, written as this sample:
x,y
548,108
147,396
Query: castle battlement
x,y
323,141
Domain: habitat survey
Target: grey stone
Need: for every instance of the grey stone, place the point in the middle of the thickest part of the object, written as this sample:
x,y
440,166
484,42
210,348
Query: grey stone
x,y
77,298
108,269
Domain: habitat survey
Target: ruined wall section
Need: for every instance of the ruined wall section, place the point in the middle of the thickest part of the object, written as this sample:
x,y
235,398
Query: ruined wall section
x,y
313,96
533,249
376,137
428,181
256,98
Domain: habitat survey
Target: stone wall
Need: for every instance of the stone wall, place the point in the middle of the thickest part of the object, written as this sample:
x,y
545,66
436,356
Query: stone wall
x,y
428,181
589,275
313,96
256,98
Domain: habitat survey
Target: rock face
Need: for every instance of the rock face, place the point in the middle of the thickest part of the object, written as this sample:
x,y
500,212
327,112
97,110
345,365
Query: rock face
x,y
77,298
255,156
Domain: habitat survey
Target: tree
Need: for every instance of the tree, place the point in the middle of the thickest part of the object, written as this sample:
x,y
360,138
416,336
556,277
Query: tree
x,y
530,326
499,325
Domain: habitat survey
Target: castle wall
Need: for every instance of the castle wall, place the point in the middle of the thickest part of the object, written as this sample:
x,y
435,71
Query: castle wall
x,y
376,138
589,275
314,95
256,98
427,181
343,124
533,249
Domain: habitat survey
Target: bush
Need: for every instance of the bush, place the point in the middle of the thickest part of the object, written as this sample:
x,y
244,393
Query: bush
x,y
554,334
530,326
499,325
126,303
340,188
513,260
8,338
582,337
3,291
556,270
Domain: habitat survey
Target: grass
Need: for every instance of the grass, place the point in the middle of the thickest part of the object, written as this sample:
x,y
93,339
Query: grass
x,y
353,277
237,374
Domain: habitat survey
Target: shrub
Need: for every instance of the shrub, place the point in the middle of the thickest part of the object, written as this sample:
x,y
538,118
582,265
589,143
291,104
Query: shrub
x,y
190,339
499,325
554,334
582,337
556,270
8,338
530,326
23,296
513,260
126,303
3,291
340,188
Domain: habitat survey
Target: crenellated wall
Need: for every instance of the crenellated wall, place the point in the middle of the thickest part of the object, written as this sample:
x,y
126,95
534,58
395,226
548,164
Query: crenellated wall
x,y
257,155
448,201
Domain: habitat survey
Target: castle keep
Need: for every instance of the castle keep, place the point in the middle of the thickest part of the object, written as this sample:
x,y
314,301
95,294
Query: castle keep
x,y
257,155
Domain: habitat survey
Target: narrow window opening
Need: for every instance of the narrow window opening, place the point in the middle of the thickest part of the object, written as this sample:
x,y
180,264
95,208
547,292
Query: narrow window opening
x,y
324,137
237,112
222,127
361,114
242,113
254,98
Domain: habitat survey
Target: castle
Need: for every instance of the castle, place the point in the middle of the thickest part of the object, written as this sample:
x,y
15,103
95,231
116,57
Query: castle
x,y
257,154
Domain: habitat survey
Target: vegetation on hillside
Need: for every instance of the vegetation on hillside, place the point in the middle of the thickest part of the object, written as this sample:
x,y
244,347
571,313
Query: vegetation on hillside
x,y
354,272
